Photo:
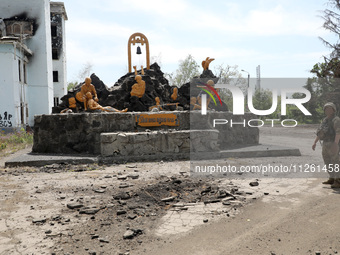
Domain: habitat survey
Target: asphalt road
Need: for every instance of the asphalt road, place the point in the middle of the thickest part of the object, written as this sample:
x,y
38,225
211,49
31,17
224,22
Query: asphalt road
x,y
299,216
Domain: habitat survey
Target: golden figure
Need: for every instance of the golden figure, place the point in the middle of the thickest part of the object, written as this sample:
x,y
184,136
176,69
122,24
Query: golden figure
x,y
206,63
67,110
199,100
212,84
138,89
135,68
87,87
174,94
193,102
93,105
72,102
158,101
158,104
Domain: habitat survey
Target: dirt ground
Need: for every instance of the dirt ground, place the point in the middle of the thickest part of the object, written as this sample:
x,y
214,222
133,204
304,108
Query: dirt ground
x,y
160,208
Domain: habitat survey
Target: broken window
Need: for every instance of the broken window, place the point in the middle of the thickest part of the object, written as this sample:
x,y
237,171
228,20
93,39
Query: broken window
x,y
55,54
19,67
22,113
25,72
17,29
56,101
55,76
53,30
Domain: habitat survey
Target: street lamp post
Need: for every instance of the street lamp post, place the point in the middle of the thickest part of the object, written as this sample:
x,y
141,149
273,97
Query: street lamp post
x,y
248,76
247,84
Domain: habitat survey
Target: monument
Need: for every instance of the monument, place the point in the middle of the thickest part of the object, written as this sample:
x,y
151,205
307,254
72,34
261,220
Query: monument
x,y
141,115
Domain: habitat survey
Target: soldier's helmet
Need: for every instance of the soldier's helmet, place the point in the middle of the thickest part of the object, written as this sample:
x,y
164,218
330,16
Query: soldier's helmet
x,y
329,104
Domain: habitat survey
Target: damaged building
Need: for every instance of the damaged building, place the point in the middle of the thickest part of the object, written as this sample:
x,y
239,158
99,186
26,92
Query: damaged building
x,y
32,60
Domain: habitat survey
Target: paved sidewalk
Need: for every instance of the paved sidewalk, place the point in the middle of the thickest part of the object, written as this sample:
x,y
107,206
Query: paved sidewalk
x,y
261,150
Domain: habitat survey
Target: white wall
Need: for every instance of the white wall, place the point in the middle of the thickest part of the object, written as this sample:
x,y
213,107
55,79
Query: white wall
x,y
39,68
63,60
9,85
60,88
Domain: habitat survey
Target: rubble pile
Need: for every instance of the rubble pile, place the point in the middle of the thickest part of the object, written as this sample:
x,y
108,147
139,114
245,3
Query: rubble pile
x,y
127,214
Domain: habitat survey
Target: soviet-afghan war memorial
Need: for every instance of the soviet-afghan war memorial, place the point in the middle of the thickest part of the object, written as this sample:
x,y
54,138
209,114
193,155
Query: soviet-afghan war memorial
x,y
208,159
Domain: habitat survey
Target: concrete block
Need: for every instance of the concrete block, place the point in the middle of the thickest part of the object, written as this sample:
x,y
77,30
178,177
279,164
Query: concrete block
x,y
160,143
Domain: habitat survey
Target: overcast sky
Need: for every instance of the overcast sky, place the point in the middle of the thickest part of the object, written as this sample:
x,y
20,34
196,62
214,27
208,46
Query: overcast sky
x,y
279,35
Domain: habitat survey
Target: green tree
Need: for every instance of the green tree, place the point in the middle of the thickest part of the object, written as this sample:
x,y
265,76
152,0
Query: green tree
x,y
324,86
331,65
71,85
330,68
229,75
188,69
263,100
331,23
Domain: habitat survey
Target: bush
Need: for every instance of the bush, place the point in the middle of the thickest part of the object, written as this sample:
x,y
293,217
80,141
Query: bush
x,y
3,145
16,140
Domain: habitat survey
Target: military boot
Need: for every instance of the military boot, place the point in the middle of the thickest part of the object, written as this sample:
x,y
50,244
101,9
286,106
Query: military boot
x,y
336,184
329,181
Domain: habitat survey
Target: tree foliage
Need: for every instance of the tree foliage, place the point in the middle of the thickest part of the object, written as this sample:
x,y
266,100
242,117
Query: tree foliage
x,y
331,65
229,75
188,69
324,86
331,23
263,100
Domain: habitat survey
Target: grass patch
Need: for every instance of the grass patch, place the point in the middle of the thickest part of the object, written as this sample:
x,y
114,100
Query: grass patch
x,y
15,141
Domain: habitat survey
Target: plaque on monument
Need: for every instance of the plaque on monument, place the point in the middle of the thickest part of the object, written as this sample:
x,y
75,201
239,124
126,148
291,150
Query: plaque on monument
x,y
157,120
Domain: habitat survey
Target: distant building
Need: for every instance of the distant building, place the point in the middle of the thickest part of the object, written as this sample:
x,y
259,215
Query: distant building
x,y
32,60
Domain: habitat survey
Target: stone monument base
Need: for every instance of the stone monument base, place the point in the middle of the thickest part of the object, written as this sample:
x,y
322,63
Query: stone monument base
x,y
139,134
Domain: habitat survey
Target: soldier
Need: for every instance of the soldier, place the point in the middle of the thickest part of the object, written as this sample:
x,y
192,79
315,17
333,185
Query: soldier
x,y
329,133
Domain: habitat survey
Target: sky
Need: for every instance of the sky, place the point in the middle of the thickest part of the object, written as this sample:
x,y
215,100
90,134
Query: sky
x,y
279,35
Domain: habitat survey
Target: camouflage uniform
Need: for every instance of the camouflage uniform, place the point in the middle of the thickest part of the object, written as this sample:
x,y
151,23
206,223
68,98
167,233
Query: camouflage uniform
x,y
329,156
